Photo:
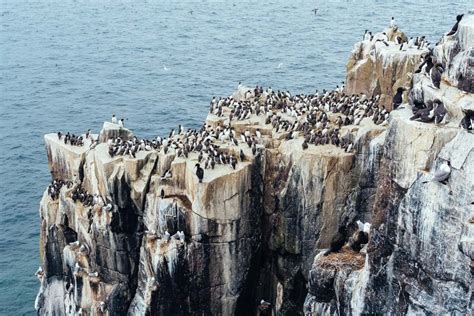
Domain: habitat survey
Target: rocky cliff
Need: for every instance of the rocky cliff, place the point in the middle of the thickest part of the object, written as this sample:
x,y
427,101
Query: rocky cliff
x,y
149,239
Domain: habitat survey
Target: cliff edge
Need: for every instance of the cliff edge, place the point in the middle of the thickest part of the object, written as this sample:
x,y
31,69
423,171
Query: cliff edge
x,y
131,226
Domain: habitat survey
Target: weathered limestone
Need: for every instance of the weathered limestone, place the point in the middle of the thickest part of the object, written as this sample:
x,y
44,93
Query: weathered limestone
x,y
257,232
111,130
419,257
376,69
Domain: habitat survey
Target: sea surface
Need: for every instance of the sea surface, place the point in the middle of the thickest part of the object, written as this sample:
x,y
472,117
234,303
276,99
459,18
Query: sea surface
x,y
68,65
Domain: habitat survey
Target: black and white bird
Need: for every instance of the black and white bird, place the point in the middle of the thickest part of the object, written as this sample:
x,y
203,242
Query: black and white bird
x,y
102,306
166,236
435,75
393,24
439,111
398,98
466,121
364,227
107,208
264,305
199,173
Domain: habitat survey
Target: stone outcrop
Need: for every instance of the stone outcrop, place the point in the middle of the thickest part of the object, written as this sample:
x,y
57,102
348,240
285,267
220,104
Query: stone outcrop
x,y
174,246
419,258
376,69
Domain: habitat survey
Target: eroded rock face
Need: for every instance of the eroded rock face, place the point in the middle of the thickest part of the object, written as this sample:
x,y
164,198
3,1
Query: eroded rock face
x,y
376,69
174,246
419,257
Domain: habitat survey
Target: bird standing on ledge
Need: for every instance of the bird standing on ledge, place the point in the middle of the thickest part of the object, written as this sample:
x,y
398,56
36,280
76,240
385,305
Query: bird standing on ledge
x,y
338,240
398,98
199,172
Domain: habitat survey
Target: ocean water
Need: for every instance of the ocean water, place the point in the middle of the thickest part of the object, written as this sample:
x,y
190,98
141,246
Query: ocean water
x,y
68,65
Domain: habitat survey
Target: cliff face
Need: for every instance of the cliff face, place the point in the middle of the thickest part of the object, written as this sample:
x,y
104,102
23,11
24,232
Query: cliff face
x,y
161,243
419,258
376,69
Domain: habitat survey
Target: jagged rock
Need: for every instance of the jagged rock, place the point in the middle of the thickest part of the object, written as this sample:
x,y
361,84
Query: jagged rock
x,y
169,245
376,69
111,131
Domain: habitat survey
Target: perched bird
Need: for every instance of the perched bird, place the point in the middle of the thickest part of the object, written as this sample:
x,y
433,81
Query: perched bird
x,y
102,306
199,172
167,236
363,227
398,98
393,24
442,174
466,121
264,305
39,273
180,235
83,249
162,194
455,27
93,274
439,111
360,238
304,145
107,208
242,155
338,240
423,114
114,119
435,75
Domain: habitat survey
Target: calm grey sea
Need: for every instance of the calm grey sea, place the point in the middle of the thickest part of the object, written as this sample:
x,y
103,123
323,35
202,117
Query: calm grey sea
x,y
67,65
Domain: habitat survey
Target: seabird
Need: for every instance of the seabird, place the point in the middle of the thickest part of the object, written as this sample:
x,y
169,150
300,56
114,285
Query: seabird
x,y
114,119
167,236
439,111
338,240
455,27
364,227
393,24
39,273
435,75
180,235
93,274
102,306
304,145
107,208
83,249
398,98
424,114
162,194
242,155
264,305
466,121
199,172
442,174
